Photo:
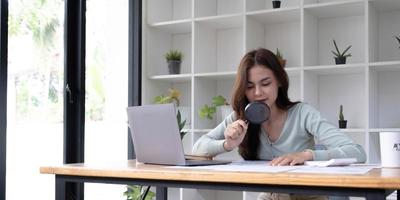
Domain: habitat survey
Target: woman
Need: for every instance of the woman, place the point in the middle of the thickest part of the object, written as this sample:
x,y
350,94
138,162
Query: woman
x,y
287,138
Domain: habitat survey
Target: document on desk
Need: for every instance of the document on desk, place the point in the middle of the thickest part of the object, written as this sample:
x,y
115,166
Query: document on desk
x,y
351,169
247,166
264,166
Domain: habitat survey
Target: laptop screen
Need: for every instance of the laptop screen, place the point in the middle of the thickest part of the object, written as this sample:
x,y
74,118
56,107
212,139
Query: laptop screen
x,y
155,134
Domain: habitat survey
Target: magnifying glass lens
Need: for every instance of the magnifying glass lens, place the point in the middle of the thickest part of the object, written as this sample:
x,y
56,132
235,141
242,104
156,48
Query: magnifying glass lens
x,y
257,112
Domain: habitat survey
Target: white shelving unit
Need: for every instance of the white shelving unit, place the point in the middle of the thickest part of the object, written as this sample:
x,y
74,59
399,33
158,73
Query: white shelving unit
x,y
214,34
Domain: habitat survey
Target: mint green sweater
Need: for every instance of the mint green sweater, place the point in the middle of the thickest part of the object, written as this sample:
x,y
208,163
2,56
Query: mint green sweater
x,y
302,127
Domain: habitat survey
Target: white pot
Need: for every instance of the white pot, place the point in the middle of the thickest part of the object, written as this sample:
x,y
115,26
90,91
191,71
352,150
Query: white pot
x,y
223,112
390,149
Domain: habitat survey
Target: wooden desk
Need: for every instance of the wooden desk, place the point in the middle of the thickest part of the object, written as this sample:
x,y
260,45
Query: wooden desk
x,y
374,185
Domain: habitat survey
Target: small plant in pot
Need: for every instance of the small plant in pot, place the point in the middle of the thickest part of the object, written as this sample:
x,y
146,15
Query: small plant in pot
x,y
276,4
398,39
174,59
208,111
342,122
340,58
281,60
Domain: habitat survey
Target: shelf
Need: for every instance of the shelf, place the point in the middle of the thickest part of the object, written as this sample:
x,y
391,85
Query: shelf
x,y
293,71
222,22
385,66
283,15
217,75
336,9
176,78
256,5
174,27
336,69
353,130
377,130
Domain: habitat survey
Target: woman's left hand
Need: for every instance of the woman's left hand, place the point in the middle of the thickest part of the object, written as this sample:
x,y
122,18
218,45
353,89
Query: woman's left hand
x,y
292,159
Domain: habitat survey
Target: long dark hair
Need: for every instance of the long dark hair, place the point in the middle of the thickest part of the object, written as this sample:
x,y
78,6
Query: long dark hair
x,y
248,149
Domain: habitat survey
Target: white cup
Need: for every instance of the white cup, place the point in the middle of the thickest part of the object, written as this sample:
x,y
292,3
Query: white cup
x,y
390,149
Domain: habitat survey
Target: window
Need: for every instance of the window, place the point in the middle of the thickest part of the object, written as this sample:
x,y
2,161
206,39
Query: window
x,y
106,89
35,96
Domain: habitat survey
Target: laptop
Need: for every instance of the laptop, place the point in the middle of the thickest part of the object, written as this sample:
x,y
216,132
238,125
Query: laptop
x,y
156,137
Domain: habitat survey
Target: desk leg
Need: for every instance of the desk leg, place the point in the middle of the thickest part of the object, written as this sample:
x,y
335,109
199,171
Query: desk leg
x,y
60,189
375,195
68,190
161,193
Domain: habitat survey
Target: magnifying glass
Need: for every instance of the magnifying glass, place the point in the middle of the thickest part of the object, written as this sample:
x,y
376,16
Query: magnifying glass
x,y
257,112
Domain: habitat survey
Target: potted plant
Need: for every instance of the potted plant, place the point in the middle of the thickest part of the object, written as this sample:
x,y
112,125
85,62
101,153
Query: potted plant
x,y
208,111
342,122
276,4
174,59
138,192
340,58
172,97
398,39
281,60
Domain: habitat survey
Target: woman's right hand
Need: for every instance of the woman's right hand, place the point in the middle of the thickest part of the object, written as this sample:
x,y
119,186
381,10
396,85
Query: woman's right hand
x,y
234,134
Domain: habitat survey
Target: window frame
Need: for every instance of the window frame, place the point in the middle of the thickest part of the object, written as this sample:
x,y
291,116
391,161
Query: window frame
x,y
3,94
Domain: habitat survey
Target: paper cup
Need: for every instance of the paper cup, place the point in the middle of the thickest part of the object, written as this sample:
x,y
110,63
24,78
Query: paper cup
x,y
390,149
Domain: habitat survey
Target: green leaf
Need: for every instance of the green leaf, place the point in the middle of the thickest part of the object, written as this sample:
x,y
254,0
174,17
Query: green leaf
x,y
162,99
398,39
341,117
219,101
347,55
344,52
181,125
133,192
178,116
150,195
336,47
334,53
175,55
207,111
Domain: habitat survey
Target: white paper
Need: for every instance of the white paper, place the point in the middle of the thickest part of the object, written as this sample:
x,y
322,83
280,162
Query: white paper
x,y
334,170
332,162
264,166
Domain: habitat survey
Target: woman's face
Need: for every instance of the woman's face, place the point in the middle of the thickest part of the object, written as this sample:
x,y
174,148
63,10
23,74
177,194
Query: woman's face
x,y
262,85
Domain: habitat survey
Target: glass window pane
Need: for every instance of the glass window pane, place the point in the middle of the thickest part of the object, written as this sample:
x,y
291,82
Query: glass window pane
x,y
35,96
106,89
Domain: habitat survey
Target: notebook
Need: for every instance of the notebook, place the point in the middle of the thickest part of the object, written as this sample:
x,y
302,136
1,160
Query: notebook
x,y
156,137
